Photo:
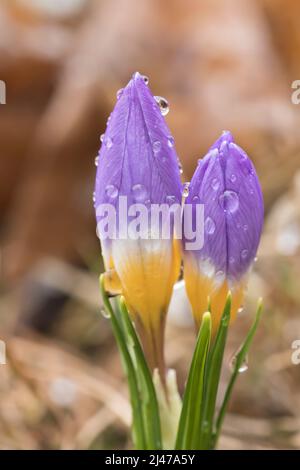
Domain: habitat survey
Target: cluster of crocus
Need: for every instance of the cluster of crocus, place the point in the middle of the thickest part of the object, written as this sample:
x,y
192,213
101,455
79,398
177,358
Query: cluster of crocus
x,y
138,162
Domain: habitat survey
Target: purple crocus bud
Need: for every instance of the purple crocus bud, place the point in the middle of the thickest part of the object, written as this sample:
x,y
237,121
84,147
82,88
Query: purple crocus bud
x,y
226,183
138,171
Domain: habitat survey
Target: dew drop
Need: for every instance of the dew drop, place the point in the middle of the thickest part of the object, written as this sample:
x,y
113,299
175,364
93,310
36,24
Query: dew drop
x,y
171,199
97,160
233,178
240,310
156,146
207,267
94,196
244,254
179,166
215,184
247,170
225,322
163,105
196,199
108,142
219,277
101,137
104,313
120,93
229,201
209,226
186,188
139,192
111,191
243,367
170,141
146,79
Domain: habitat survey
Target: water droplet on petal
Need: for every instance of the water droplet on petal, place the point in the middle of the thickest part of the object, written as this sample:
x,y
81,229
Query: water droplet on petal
x,y
247,170
240,310
111,191
207,267
97,160
94,196
219,277
179,166
156,146
108,142
209,226
229,201
170,141
185,191
244,254
139,192
163,105
101,137
196,199
171,199
215,184
233,178
146,79
120,93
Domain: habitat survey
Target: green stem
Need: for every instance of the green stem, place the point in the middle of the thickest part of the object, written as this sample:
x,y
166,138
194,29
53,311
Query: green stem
x,y
189,423
137,415
212,379
149,399
240,357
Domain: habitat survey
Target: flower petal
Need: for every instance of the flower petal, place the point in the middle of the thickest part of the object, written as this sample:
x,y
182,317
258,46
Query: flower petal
x,y
226,183
138,166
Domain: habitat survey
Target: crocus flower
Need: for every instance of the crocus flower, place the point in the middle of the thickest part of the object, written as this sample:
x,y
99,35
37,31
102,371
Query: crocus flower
x,y
138,166
226,183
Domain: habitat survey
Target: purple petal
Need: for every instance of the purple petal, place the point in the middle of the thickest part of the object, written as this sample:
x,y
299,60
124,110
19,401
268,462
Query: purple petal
x,y
226,183
137,158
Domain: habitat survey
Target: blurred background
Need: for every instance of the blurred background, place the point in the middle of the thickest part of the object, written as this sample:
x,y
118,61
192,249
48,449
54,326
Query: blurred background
x,y
221,65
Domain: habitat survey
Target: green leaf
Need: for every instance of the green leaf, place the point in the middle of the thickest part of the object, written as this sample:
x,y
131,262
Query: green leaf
x,y
139,435
190,418
240,358
212,378
148,395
